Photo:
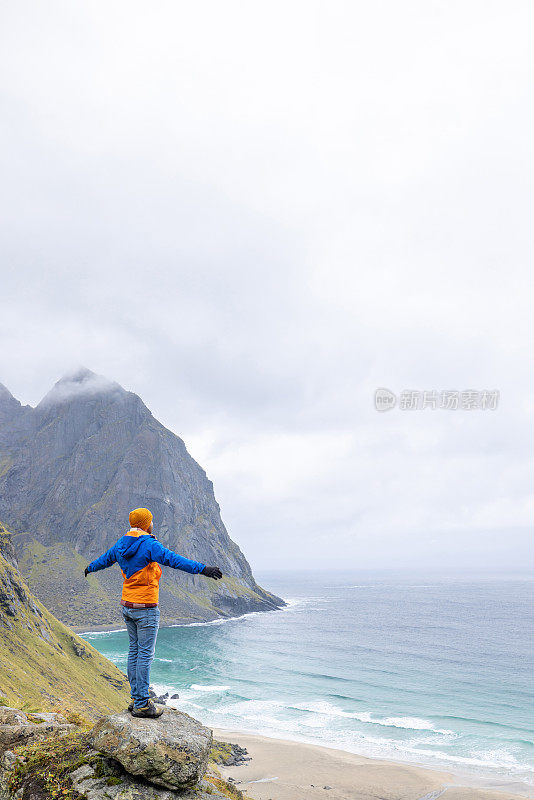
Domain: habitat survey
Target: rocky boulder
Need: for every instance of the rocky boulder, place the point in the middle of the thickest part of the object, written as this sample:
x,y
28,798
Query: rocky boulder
x,y
171,751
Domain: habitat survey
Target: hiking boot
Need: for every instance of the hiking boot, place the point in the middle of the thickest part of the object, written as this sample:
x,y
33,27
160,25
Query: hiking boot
x,y
150,710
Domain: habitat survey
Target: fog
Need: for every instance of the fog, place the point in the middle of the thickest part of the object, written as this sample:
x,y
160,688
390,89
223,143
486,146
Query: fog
x,y
253,215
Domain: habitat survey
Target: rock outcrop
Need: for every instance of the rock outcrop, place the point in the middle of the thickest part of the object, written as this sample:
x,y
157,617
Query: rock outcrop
x,y
122,758
171,751
70,471
118,785
228,754
16,727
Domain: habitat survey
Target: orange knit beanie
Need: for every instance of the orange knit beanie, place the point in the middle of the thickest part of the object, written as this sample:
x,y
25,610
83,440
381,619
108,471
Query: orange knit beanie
x,y
140,518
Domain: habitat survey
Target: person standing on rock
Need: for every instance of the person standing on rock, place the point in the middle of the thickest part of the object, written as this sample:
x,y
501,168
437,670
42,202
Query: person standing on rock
x,y
139,556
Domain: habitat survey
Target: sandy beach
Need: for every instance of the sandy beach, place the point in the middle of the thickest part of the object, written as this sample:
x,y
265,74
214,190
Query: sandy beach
x,y
286,770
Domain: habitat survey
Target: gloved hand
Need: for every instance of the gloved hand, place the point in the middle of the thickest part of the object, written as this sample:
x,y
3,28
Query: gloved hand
x,y
212,572
86,573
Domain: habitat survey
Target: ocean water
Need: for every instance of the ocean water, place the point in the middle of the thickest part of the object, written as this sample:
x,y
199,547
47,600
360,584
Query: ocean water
x,y
432,670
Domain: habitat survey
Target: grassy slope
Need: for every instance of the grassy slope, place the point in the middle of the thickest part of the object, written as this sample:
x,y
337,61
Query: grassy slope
x,y
39,666
55,572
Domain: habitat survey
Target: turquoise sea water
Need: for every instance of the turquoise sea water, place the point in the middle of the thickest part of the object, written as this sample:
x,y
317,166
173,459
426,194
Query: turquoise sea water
x,y
433,670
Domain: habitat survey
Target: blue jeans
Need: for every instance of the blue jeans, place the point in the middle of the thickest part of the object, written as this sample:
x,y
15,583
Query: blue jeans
x,y
142,625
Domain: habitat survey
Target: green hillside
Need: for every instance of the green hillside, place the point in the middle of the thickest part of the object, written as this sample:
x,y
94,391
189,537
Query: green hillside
x,y
43,664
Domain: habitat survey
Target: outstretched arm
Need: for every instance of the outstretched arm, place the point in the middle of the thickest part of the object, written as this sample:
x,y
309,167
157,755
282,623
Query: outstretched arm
x,y
105,560
171,559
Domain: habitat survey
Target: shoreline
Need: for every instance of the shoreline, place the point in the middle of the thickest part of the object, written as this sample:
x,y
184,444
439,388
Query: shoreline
x,y
118,627
174,624
178,623
283,769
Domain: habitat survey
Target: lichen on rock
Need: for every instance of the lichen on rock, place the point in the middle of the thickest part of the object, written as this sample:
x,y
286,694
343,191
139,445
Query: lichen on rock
x,y
171,751
67,767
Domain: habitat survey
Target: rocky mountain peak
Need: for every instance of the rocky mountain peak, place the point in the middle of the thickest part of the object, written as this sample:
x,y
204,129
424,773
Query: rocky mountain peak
x,y
72,469
80,384
78,375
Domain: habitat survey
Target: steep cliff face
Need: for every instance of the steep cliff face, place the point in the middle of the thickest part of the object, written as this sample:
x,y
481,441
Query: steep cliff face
x,y
42,663
71,470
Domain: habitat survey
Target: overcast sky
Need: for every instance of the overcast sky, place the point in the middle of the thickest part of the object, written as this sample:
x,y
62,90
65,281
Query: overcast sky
x,y
254,214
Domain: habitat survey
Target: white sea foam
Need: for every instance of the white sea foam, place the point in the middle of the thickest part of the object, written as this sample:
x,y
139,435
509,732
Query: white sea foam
x,y
246,706
204,624
263,714
408,723
256,709
186,703
199,687
267,718
94,634
216,621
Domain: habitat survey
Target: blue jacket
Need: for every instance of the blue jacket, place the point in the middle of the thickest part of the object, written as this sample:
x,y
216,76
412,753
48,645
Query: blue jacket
x,y
139,554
